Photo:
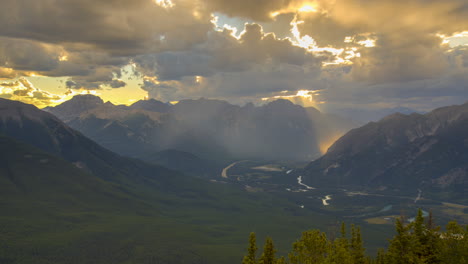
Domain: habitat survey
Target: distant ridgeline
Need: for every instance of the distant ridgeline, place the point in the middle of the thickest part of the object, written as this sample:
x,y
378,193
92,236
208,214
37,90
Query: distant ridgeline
x,y
209,129
419,242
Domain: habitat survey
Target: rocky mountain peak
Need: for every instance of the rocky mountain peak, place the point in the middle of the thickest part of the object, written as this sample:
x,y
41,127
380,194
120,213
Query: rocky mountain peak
x,y
151,105
75,106
85,100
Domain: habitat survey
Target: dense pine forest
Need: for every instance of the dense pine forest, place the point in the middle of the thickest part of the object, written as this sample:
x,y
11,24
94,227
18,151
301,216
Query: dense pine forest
x,y
418,241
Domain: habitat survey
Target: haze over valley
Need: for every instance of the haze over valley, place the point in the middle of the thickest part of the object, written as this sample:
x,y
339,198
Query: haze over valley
x,y
254,132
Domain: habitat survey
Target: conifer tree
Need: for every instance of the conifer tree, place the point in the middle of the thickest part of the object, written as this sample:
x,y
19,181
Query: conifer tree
x,y
338,252
454,246
430,241
269,251
419,232
281,260
343,230
430,221
357,249
380,256
343,239
414,243
311,248
426,240
251,257
400,250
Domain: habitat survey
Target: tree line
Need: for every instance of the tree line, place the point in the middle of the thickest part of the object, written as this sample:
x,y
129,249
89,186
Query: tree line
x,y
417,242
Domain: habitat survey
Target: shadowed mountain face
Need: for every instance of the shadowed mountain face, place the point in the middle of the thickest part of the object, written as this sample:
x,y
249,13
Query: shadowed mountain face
x,y
43,130
210,129
70,109
405,152
367,115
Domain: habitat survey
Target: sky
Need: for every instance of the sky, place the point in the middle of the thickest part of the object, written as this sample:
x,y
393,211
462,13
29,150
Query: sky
x,y
330,54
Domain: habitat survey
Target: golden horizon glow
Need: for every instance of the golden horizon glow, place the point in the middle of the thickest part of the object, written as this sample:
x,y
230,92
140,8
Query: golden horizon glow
x,y
43,91
69,95
23,90
28,97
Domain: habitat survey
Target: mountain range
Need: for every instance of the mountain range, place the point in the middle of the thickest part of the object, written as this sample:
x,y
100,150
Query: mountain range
x,y
66,199
28,124
405,153
209,129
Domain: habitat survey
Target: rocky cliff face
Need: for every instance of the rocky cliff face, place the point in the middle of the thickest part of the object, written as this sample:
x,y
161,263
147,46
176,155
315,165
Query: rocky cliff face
x,y
400,152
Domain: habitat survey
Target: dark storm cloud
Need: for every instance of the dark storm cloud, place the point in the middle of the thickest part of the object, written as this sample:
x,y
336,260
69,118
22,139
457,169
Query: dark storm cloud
x,y
256,64
403,59
223,53
175,65
179,54
116,26
446,88
259,10
90,41
27,55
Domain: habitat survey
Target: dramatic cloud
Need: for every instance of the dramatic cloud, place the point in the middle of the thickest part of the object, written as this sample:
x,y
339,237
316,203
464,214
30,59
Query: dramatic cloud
x,y
252,66
88,68
259,10
23,90
393,60
447,87
345,52
27,55
221,52
7,73
407,45
115,26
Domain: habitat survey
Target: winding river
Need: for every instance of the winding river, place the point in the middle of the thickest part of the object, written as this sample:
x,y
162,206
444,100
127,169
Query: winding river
x,y
299,181
326,199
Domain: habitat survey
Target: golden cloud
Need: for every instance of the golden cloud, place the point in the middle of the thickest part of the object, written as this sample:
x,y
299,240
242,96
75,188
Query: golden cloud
x,y
24,91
